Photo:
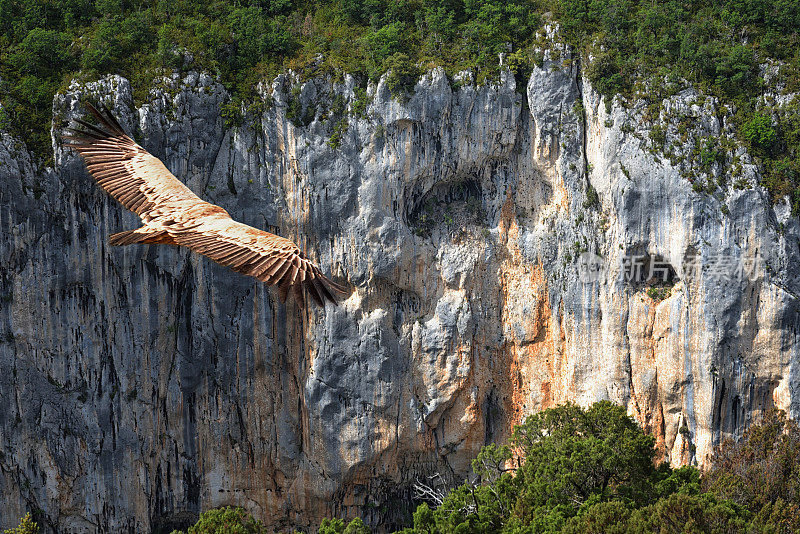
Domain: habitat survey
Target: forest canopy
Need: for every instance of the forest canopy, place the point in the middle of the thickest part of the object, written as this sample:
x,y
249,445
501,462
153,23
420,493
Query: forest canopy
x,y
628,48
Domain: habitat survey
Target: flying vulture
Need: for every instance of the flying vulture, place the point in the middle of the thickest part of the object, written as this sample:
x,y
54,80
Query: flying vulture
x,y
173,215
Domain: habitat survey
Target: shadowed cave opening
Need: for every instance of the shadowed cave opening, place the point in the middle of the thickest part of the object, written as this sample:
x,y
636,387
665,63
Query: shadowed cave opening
x,y
643,270
493,416
453,204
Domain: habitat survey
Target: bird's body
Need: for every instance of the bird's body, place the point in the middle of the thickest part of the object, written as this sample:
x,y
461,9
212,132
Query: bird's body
x,y
173,215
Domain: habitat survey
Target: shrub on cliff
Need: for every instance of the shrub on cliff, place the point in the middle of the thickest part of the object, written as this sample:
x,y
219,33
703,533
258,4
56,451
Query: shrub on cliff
x,y
26,526
762,472
403,75
760,134
337,526
227,520
230,520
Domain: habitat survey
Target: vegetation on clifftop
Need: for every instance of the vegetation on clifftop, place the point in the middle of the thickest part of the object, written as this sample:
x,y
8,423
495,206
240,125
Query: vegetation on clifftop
x,y
638,49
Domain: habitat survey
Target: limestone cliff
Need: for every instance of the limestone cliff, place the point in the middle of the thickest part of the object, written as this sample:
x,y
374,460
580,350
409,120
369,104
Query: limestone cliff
x,y
142,385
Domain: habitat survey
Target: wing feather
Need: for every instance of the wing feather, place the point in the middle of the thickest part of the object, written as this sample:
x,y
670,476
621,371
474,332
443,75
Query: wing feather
x,y
279,273
293,273
283,289
299,294
322,289
261,266
265,256
279,265
311,288
242,257
140,182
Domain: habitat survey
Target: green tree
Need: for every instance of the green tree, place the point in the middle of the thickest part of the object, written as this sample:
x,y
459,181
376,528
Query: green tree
x,y
337,526
42,53
493,26
227,520
778,517
571,470
357,526
606,74
402,76
331,526
116,41
760,134
576,17
762,469
424,520
256,35
736,69
609,517
440,19
683,512
381,45
581,470
573,455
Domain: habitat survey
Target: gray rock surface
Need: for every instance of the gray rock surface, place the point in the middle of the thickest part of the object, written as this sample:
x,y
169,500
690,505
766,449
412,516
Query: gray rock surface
x,y
142,385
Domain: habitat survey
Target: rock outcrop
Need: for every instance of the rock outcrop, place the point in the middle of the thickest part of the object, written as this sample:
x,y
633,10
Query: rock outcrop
x,y
142,385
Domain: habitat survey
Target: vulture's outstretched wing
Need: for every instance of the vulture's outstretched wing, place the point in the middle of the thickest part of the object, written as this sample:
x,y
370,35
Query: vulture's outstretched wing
x,y
129,173
265,256
173,215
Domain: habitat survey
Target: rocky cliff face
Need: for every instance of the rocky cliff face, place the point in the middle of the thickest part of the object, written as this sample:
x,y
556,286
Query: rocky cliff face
x,y
142,385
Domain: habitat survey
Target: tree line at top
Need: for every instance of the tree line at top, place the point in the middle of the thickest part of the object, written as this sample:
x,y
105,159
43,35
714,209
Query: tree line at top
x,y
629,47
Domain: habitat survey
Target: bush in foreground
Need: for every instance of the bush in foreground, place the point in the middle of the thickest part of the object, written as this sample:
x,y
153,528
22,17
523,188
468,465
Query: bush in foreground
x,y
227,520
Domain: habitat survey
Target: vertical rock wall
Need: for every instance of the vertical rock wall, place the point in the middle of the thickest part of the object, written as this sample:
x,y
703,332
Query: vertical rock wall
x,y
142,385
